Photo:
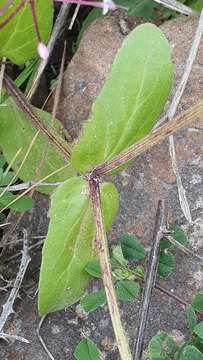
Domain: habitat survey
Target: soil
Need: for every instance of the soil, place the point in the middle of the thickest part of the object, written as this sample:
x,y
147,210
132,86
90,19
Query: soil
x,y
147,180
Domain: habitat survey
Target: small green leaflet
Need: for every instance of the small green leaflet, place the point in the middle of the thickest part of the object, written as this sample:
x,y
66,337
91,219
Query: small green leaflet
x,y
197,302
191,317
127,290
141,79
166,264
178,234
93,269
190,353
16,132
93,300
117,257
86,350
69,245
18,40
162,346
23,204
131,247
198,329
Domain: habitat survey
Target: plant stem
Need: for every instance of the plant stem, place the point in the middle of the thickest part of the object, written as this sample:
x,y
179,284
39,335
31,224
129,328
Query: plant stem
x,y
25,106
102,246
150,279
150,140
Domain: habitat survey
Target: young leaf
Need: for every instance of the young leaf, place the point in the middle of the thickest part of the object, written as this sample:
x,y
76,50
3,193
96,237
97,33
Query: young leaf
x,y
127,290
93,268
18,40
86,350
69,245
23,204
166,264
190,353
198,330
16,132
191,317
162,346
131,247
94,300
197,302
131,100
178,234
117,256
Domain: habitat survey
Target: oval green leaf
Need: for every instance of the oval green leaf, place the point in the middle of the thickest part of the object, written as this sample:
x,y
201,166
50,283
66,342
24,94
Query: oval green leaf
x,y
127,290
17,132
131,247
131,100
198,329
86,350
162,346
197,302
69,245
166,264
191,353
18,40
94,300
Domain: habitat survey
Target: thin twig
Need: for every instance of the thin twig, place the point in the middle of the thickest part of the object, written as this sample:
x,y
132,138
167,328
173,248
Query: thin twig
x,y
13,337
59,23
8,306
185,249
41,339
150,279
176,6
54,138
28,185
172,110
171,295
150,140
103,251
39,243
74,16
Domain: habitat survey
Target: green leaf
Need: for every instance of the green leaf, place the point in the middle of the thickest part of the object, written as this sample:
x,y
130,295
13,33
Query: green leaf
x,y
86,350
18,40
15,125
118,258
127,290
146,8
131,247
2,161
7,178
198,330
93,268
166,264
69,245
191,317
190,353
23,204
94,300
178,234
162,346
197,302
131,100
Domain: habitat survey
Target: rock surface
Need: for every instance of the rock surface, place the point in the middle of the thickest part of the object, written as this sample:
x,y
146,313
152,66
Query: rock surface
x,y
141,185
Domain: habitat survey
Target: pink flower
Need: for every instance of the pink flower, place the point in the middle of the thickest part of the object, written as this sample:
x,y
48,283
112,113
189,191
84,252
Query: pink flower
x,y
43,51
